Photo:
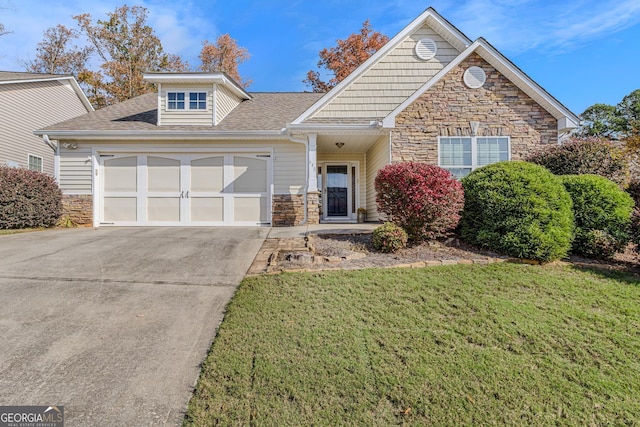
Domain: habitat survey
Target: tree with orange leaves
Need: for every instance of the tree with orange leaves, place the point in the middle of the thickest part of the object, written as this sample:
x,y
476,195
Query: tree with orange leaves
x,y
345,57
224,56
128,47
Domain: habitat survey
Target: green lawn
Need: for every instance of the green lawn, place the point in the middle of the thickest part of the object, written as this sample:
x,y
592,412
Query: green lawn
x,y
460,345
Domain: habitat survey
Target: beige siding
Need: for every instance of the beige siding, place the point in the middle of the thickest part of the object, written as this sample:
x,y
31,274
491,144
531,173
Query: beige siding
x,y
186,117
347,158
26,107
289,173
225,102
75,170
390,81
377,157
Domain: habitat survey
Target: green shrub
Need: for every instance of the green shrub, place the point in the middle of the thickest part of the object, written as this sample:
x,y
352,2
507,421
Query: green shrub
x,y
389,238
602,213
579,156
518,209
425,200
28,199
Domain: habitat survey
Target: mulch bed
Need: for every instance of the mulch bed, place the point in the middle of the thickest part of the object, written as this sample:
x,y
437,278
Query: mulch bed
x,y
354,251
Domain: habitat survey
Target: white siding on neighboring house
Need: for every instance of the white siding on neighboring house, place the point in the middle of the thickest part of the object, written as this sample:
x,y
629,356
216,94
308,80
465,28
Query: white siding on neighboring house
x,y
186,116
29,106
389,82
289,173
377,157
225,102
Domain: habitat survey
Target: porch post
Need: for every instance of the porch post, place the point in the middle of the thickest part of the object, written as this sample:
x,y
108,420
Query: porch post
x,y
313,163
313,195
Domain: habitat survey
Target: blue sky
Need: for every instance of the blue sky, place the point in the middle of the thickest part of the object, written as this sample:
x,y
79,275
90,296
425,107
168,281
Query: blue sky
x,y
581,51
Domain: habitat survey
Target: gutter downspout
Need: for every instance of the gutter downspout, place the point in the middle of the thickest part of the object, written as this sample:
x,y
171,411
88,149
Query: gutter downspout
x,y
305,142
56,156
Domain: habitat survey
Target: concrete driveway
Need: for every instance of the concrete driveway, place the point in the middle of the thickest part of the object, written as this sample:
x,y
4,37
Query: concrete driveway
x,y
113,323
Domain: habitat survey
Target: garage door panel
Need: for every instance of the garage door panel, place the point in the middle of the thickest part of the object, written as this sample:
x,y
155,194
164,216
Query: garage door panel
x,y
205,209
250,209
249,175
163,209
163,174
120,209
121,174
207,174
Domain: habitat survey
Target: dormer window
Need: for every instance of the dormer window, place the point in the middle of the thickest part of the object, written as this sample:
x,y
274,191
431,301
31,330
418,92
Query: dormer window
x,y
176,101
198,101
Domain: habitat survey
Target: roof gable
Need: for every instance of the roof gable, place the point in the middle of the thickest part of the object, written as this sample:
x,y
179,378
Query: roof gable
x,y
566,119
428,24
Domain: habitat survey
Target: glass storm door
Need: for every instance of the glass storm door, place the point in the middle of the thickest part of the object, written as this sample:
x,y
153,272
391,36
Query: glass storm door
x,y
337,190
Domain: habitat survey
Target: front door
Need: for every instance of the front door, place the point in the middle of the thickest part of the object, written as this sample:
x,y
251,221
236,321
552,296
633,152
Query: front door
x,y
338,182
337,191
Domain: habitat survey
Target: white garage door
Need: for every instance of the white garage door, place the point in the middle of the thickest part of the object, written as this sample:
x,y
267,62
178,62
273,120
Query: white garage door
x,y
185,189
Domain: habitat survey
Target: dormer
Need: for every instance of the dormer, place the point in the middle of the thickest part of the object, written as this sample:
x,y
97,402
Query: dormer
x,y
200,99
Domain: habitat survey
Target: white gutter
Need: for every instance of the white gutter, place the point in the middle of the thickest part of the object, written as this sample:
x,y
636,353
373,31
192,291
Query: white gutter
x,y
56,156
164,134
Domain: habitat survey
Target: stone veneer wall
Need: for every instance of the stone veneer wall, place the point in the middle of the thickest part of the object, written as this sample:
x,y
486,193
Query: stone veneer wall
x,y
313,207
78,208
447,108
288,210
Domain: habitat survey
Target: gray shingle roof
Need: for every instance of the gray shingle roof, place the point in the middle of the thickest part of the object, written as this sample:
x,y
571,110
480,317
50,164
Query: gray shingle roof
x,y
6,76
266,111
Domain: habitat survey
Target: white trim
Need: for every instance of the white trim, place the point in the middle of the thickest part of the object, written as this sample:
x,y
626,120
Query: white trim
x,y
162,134
497,60
429,14
159,122
204,78
187,101
29,156
214,104
352,193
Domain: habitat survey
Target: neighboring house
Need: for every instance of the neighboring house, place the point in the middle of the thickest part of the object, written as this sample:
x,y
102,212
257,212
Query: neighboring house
x,y
202,151
29,102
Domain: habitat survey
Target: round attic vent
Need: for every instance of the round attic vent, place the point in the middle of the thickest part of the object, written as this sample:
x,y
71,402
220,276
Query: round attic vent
x,y
474,77
426,49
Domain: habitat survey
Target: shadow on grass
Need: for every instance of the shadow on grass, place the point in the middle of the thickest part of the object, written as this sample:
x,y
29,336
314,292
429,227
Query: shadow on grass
x,y
623,272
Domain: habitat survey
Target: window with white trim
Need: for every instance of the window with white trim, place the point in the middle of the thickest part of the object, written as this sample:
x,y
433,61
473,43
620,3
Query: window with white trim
x,y
198,100
461,155
35,163
186,100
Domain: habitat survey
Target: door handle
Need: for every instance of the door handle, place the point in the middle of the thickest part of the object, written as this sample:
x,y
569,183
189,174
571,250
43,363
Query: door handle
x,y
186,196
181,194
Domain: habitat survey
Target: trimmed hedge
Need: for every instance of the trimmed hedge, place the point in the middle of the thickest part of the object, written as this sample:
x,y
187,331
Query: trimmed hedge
x,y
579,156
424,200
602,213
389,238
28,199
518,209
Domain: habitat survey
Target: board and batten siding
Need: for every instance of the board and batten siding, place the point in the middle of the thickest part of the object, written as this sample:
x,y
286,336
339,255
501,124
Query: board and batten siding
x,y
226,101
289,173
186,116
390,81
29,106
377,157
350,158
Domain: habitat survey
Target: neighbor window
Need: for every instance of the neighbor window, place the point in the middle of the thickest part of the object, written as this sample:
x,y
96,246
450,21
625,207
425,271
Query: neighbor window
x,y
35,163
175,100
461,155
198,101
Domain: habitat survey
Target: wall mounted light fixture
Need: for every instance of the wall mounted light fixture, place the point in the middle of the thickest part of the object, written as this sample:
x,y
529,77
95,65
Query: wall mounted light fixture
x,y
339,144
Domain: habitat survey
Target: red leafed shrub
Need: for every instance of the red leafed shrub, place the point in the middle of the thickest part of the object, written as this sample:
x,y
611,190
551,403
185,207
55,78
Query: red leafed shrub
x,y
424,200
28,199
